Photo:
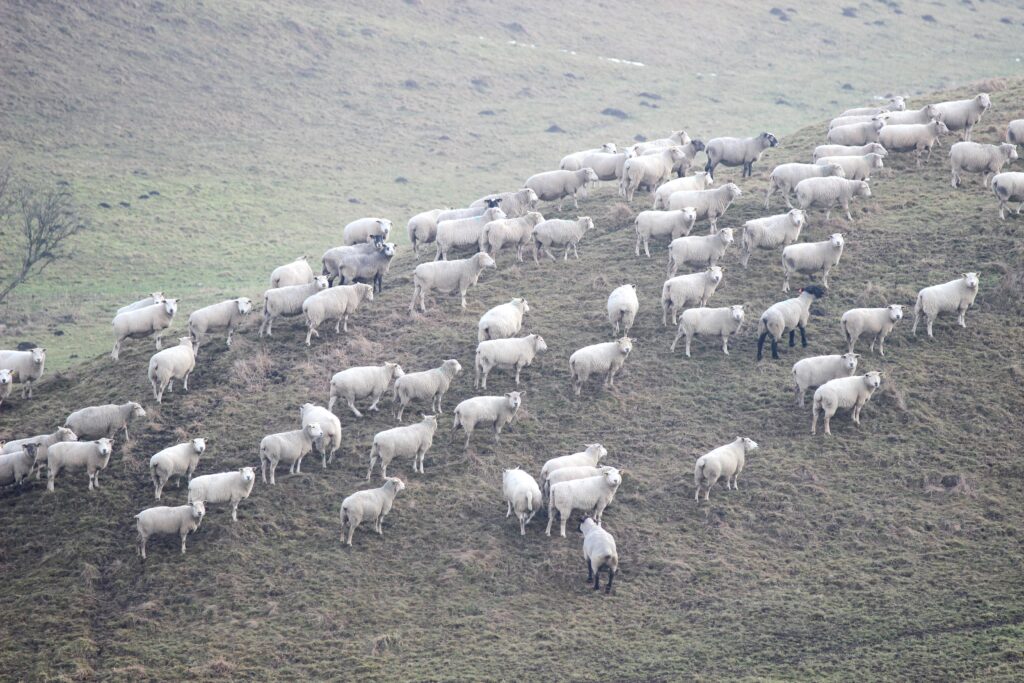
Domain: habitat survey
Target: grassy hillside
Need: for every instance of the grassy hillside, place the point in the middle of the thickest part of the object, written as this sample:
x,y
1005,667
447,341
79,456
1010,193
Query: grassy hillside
x,y
265,129
885,552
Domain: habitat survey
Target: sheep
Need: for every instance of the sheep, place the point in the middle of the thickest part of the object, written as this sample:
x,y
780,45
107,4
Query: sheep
x,y
792,315
552,185
925,114
810,257
592,495
963,115
572,473
649,170
877,322
771,232
573,162
227,315
522,495
502,321
6,384
813,372
671,224
785,177
179,460
720,322
515,232
690,183
854,167
17,466
622,308
99,421
297,272
676,139
822,151
44,441
686,290
336,303
974,157
607,166
165,366
26,367
369,263
422,228
896,103
371,504
290,448
154,298
956,295
858,118
590,456
364,229
843,392
287,301
463,232
709,204
469,212
737,152
329,424
913,137
682,166
599,552
698,250
725,461
447,277
1015,132
181,520
514,204
224,487
855,133
556,232
429,384
828,193
410,441
92,456
1007,187
515,353
606,358
497,411
362,382
143,322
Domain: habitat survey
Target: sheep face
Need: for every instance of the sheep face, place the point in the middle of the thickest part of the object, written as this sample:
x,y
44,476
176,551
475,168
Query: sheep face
x,y
625,345
170,307
248,474
539,344
199,445
737,312
836,170
814,290
983,101
863,190
690,214
798,218
515,399
849,361
970,280
714,274
6,377
749,445
1010,151
876,148
521,303
586,524
531,197
873,379
895,312
158,297
698,146
185,341
836,240
609,147
613,478
875,160
105,447
898,103
244,305
320,281
65,434
429,420
725,234
591,175
453,365
395,369
586,223
314,431
734,191
388,249
138,411
395,483
38,356
597,448
198,510
483,260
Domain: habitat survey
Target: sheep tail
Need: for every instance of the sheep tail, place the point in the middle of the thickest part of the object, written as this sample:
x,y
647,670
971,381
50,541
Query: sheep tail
x,y
529,501
698,475
846,332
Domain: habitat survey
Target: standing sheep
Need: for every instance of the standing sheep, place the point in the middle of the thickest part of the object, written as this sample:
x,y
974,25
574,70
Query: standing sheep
x,y
591,456
827,193
608,165
844,392
497,411
337,304
963,115
411,441
956,295
715,322
698,250
737,152
329,424
649,171
791,315
463,232
447,277
154,298
514,204
144,322
181,520
290,448
876,322
574,161
369,381
855,133
428,384
622,308
785,178
44,441
681,167
513,232
422,228
592,495
854,168
180,460
95,422
1009,187
552,185
771,232
914,137
227,315
676,139
297,272
366,263
557,232
165,366
363,229
91,456
809,373
598,359
287,301
925,114
225,487
687,290
670,224
372,504
974,157
725,461
697,181
1015,132
709,204
522,496
26,367
502,321
810,257
17,466
515,353
822,151
599,552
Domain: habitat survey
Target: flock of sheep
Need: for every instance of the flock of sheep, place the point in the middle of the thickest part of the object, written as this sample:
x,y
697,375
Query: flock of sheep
x,y
858,142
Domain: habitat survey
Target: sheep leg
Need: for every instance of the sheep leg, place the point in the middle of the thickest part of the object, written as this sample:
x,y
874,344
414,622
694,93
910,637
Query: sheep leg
x,y
792,338
597,579
159,342
814,418
376,399
462,293
828,418
803,336
575,252
930,321
273,473
352,406
562,522
575,201
497,430
522,525
565,256
725,344
961,317
184,384
518,368
351,530
551,516
550,255
344,325
234,505
611,577
184,536
379,525
263,469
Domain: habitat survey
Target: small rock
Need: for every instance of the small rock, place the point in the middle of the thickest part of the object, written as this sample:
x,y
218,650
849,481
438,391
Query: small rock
x,y
617,113
125,205
554,128
104,205
401,180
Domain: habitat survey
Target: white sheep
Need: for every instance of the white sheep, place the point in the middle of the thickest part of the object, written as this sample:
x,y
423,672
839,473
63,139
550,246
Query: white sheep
x,y
846,120
843,392
785,178
368,381
297,272
429,384
605,359
422,228
290,448
810,257
572,473
514,353
854,167
463,232
771,232
17,466
99,421
227,315
956,295
680,168
143,322
676,138
683,291
622,308
180,460
447,277
827,193
1015,132
511,232
670,224
224,487
371,504
176,362
364,229
822,151
410,441
6,383
514,204
875,322
698,250
573,162
809,373
913,137
709,204
502,321
522,496
649,170
91,456
600,553
855,133
737,152
154,298
1009,187
287,301
556,232
963,115
789,315
329,424
713,322
557,185
589,456
896,103
335,303
44,441
974,157
725,461
690,183
591,495
181,520
26,367
497,411
925,114
368,262
608,165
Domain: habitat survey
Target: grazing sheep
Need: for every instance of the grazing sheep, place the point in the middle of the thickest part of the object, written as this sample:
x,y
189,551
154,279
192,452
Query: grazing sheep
x,y
556,232
822,151
6,384
297,272
514,204
709,204
522,495
100,421
337,304
370,504
854,168
515,353
844,392
447,277
428,384
180,460
687,290
290,448
809,373
154,298
599,552
92,456
925,114
143,322
649,170
785,177
913,137
590,456
329,424
677,138
287,301
737,152
368,381
725,461
557,185
691,183
592,495
44,442
605,359
716,322
828,193
463,232
369,263
698,250
607,166
671,224
574,161
227,315
17,466
165,366
181,520
410,441
896,103
855,133
809,257
973,157
422,228
622,308
877,322
26,367
956,295
791,315
365,229
514,232
1015,132
1008,187
963,115
771,232
497,411
502,321
224,487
